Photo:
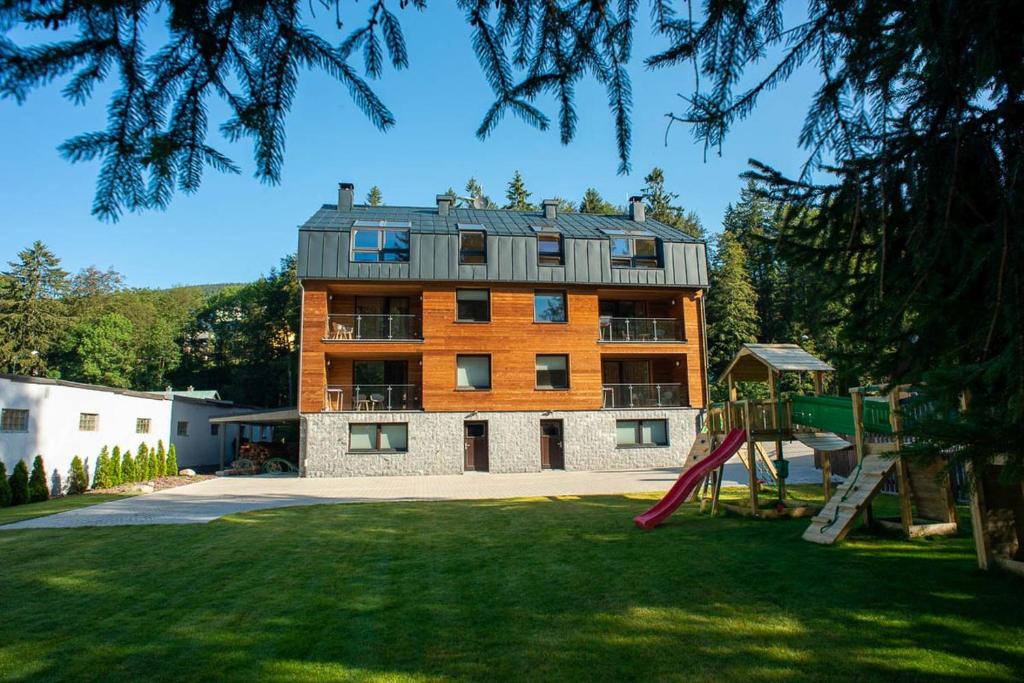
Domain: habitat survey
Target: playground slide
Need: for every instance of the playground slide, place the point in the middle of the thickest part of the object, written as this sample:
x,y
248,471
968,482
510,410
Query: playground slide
x,y
689,480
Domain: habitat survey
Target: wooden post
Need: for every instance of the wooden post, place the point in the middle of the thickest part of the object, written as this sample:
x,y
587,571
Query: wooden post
x,y
857,399
717,491
981,544
773,395
902,474
826,474
818,382
752,458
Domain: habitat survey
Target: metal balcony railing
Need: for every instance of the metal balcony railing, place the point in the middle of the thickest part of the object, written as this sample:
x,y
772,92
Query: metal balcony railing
x,y
641,329
371,397
362,326
664,395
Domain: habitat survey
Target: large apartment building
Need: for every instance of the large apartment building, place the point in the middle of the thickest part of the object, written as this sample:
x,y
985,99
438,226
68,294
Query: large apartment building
x,y
438,340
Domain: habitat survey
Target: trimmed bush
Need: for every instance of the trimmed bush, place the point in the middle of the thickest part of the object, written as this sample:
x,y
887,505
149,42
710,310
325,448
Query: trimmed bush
x,y
101,478
78,480
160,468
19,484
38,491
5,486
172,462
143,463
116,471
128,468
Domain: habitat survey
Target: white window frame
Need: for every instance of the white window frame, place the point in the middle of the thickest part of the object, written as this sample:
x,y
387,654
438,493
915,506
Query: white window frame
x,y
140,421
85,418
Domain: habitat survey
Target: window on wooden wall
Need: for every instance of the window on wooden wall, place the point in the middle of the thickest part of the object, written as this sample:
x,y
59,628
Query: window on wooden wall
x,y
88,422
550,307
13,420
384,437
473,372
472,305
553,371
641,432
472,246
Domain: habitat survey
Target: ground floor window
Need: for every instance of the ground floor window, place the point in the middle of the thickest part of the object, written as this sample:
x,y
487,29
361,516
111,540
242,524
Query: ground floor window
x,y
13,420
378,436
88,422
641,432
182,428
142,425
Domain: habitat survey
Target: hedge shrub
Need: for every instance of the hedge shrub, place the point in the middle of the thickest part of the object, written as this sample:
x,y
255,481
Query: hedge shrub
x,y
161,460
128,474
5,486
78,480
172,462
38,491
116,467
101,477
19,484
143,463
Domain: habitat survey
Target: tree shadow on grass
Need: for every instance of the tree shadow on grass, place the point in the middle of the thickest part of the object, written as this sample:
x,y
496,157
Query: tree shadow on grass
x,y
542,589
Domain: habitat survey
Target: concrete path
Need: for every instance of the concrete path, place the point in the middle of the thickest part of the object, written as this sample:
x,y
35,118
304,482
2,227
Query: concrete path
x,y
207,500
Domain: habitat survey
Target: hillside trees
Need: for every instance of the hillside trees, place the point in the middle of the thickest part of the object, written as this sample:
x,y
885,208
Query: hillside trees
x,y
32,309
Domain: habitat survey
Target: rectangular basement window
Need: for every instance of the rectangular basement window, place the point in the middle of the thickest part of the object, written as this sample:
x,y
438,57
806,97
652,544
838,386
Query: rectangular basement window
x,y
641,432
142,425
13,420
378,437
88,422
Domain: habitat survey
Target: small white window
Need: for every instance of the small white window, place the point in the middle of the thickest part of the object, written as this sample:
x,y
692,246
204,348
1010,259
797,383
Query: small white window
x,y
182,428
13,420
378,436
641,432
473,372
88,422
142,425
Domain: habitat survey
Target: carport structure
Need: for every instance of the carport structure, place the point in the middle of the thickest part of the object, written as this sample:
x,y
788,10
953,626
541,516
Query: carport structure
x,y
269,418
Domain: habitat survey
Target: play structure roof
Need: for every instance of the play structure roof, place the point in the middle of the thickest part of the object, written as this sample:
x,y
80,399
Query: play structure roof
x,y
753,361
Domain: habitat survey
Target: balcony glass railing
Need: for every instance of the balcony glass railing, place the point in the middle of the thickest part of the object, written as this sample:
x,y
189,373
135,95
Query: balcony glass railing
x,y
641,329
371,397
361,326
665,395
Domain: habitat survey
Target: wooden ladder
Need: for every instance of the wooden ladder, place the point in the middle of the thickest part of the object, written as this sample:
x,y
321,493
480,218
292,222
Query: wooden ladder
x,y
841,511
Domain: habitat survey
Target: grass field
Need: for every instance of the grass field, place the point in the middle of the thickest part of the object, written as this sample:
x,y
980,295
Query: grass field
x,y
532,589
53,506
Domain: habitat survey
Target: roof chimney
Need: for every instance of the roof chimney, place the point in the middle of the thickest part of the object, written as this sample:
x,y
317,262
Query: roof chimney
x,y
636,209
444,204
346,196
550,208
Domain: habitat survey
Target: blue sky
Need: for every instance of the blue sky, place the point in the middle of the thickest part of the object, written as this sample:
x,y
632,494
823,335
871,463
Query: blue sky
x,y
236,228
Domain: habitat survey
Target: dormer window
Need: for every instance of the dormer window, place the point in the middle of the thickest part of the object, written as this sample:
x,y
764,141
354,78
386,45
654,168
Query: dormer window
x,y
630,251
380,242
549,249
472,245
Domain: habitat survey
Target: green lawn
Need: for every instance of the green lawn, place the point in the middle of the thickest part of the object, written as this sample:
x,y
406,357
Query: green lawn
x,y
550,589
52,507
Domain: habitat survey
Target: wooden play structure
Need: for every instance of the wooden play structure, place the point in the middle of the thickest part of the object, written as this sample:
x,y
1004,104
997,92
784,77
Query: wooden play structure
x,y
870,419
997,519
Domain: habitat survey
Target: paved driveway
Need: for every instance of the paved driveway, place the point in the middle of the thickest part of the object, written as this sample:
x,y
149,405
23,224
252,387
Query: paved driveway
x,y
207,500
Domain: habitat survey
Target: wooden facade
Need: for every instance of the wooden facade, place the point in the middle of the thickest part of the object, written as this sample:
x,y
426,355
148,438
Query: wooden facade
x,y
511,338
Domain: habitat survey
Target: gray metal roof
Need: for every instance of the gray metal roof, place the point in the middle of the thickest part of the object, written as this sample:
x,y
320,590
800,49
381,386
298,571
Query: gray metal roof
x,y
495,221
511,244
751,361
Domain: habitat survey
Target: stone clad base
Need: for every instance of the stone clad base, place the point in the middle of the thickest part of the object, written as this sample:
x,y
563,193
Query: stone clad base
x,y
436,444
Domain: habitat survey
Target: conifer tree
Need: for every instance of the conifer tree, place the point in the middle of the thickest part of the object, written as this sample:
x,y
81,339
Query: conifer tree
x,y
731,307
128,472
38,491
172,462
5,486
19,484
374,197
101,474
517,195
593,202
78,479
31,309
661,207
143,464
476,193
160,462
116,468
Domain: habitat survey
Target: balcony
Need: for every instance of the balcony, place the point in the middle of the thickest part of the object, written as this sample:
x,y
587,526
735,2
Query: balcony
x,y
371,397
663,395
345,327
616,329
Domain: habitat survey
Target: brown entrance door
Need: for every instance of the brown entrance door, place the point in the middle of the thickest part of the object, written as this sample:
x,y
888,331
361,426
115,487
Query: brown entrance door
x,y
476,446
552,456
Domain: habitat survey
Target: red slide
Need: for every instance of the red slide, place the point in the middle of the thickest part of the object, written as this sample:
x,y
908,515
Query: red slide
x,y
689,479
